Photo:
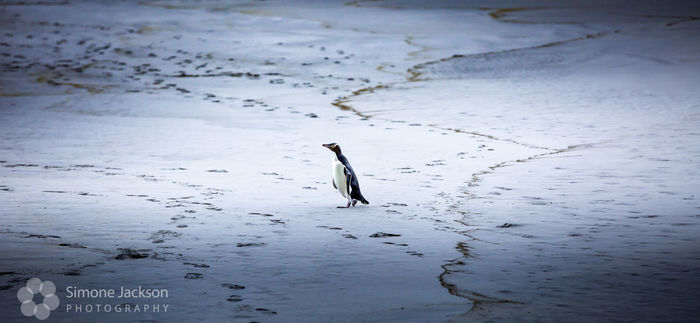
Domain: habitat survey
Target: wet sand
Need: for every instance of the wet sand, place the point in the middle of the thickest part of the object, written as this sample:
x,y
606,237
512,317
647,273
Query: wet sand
x,y
531,162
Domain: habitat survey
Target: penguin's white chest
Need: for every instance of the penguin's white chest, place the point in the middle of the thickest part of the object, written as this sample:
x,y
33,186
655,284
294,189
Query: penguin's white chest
x,y
339,177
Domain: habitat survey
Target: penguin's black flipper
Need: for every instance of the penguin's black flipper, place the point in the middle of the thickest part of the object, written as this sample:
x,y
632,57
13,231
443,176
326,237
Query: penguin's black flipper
x,y
348,180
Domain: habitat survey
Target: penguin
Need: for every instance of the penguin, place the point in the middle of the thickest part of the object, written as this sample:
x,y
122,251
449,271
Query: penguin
x,y
344,178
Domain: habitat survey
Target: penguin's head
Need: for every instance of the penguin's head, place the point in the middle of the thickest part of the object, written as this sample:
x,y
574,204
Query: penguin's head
x,y
332,146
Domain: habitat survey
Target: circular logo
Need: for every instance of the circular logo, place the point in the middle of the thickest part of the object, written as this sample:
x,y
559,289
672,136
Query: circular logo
x,y
26,296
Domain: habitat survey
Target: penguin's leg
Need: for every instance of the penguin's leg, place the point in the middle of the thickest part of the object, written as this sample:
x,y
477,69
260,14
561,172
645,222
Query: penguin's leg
x,y
354,201
347,206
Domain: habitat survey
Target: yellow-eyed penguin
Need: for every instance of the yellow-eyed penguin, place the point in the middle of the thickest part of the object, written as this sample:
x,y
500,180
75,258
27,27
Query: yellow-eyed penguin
x,y
344,178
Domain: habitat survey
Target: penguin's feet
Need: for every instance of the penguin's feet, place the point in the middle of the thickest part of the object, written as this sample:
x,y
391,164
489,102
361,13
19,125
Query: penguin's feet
x,y
354,202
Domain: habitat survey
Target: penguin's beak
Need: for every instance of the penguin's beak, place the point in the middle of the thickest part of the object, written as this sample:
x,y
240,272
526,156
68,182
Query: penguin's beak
x,y
327,146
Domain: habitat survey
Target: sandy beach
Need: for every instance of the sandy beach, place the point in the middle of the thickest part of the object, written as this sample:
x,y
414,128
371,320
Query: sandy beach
x,y
524,161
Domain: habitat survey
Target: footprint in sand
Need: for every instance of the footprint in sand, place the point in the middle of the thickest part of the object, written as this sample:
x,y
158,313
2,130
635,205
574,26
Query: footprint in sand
x,y
161,236
234,298
250,244
233,286
196,265
384,235
127,253
193,276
